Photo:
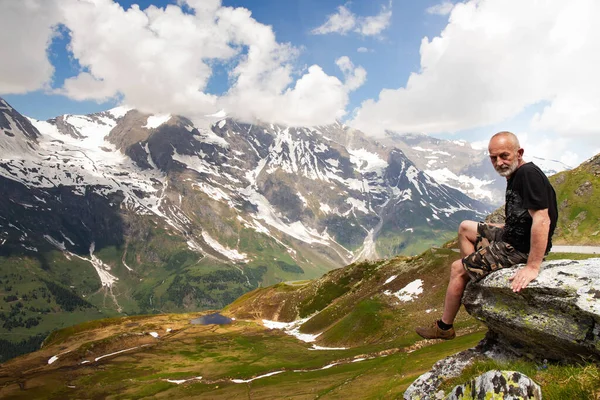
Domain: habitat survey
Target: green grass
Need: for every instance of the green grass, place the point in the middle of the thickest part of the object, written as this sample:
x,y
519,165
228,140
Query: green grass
x,y
151,389
325,295
570,256
61,335
54,294
361,325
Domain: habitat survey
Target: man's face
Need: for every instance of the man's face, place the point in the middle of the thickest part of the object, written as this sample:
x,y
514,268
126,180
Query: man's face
x,y
504,155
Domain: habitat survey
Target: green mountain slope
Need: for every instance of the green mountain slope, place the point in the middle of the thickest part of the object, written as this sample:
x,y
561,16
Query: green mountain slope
x,y
349,308
378,355
354,305
156,270
578,197
194,361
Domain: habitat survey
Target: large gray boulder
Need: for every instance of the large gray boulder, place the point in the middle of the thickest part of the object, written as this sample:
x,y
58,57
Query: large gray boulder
x,y
556,317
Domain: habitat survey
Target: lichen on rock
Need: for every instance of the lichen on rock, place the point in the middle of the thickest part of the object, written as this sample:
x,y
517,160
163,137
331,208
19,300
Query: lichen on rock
x,y
506,385
557,316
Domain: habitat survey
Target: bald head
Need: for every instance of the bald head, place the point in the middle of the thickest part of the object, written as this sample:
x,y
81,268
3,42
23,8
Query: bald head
x,y
506,137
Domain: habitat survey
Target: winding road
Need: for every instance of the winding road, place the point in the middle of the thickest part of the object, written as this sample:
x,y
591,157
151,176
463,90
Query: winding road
x,y
576,249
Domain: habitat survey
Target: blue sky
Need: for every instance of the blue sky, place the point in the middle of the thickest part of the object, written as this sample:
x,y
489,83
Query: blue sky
x,y
449,69
392,55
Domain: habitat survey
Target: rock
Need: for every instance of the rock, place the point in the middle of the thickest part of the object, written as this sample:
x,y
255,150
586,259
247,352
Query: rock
x,y
582,216
556,317
426,386
497,217
507,385
585,189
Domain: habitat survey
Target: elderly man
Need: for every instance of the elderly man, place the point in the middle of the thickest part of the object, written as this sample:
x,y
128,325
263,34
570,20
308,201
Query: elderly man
x,y
525,238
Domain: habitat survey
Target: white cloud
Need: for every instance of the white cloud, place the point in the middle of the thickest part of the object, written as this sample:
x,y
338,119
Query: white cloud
x,y
443,8
341,22
494,59
160,60
27,29
355,77
548,148
374,25
363,50
155,58
344,21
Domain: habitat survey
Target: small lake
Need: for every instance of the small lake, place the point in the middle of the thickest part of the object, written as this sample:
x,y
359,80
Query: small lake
x,y
211,319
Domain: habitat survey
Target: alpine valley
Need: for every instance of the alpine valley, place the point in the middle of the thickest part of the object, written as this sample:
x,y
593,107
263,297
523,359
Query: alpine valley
x,y
122,213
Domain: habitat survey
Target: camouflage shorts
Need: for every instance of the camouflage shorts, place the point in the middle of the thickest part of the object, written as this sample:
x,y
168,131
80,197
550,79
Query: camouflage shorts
x,y
491,253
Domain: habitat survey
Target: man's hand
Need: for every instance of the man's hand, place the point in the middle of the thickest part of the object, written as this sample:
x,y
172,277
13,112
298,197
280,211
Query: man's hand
x,y
523,276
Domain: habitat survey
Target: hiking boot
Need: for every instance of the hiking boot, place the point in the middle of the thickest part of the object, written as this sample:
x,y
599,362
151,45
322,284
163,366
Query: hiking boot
x,y
435,332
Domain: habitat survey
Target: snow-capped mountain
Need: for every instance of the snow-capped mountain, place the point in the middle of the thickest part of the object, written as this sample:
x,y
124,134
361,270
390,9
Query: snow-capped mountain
x,y
153,196
461,166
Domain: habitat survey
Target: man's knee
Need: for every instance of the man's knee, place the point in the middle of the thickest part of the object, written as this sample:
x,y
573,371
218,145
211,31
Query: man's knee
x,y
458,270
468,229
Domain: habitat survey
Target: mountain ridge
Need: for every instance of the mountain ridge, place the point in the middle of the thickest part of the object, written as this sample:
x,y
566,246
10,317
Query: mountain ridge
x,y
138,213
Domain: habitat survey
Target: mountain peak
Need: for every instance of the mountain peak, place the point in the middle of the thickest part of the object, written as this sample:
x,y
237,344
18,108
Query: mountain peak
x,y
18,136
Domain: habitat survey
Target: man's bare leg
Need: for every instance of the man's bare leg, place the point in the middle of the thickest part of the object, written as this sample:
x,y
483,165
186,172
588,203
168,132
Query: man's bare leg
x,y
467,235
458,281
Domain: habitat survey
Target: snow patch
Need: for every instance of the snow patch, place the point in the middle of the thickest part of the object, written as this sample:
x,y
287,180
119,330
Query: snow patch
x,y
116,352
154,121
231,254
412,173
119,112
333,162
208,136
258,377
472,186
180,381
358,205
408,293
325,208
270,216
367,161
315,347
55,243
292,328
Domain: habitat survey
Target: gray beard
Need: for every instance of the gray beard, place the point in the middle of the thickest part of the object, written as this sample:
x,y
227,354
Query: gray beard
x,y
508,171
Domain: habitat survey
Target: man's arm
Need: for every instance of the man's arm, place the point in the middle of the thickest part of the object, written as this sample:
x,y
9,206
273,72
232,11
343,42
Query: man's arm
x,y
540,229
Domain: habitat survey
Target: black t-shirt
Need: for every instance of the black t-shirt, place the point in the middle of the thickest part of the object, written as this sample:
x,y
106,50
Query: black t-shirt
x,y
527,189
